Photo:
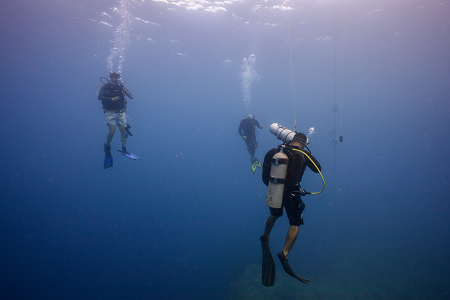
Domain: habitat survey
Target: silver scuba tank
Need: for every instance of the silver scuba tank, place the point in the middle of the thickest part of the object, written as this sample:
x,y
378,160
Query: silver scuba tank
x,y
282,133
277,180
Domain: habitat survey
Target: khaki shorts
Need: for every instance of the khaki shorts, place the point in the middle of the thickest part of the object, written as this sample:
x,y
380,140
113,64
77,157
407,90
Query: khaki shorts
x,y
116,119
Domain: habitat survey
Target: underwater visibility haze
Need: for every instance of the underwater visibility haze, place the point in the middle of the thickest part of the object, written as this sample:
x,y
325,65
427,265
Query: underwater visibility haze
x,y
184,221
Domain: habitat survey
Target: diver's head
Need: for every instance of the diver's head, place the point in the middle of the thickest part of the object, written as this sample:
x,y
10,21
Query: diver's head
x,y
249,117
115,77
299,140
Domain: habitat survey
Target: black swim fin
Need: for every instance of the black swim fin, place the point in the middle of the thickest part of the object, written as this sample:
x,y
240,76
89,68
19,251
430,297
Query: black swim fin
x,y
108,161
287,268
127,129
268,265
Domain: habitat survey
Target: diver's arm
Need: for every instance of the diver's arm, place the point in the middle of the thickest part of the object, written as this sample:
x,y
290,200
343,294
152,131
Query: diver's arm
x,y
310,164
241,129
127,92
257,124
101,94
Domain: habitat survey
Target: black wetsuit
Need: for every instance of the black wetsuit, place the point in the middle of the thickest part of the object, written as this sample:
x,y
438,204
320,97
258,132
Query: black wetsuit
x,y
292,201
247,128
109,91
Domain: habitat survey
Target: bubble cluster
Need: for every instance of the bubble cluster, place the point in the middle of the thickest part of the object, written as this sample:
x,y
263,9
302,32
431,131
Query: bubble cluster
x,y
248,76
118,52
311,132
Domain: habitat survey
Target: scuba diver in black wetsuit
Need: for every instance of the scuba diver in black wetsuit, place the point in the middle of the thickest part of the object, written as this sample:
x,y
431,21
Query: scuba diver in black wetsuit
x,y
112,95
247,132
291,201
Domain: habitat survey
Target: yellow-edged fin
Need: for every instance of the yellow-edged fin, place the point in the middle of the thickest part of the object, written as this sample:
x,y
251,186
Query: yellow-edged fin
x,y
258,163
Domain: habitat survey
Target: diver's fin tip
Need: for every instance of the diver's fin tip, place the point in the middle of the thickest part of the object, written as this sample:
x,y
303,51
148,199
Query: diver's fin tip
x,y
268,265
287,268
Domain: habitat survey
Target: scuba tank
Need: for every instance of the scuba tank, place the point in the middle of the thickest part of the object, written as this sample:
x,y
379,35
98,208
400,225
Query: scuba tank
x,y
278,169
282,133
277,180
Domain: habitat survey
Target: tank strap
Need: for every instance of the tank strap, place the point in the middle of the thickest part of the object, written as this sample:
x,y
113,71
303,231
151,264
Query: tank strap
x,y
277,180
280,161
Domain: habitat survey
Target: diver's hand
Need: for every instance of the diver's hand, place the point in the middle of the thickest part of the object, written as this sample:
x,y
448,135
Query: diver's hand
x,y
244,137
116,98
260,126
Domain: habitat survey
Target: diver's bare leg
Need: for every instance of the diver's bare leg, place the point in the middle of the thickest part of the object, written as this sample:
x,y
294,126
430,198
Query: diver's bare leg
x,y
291,237
110,135
269,225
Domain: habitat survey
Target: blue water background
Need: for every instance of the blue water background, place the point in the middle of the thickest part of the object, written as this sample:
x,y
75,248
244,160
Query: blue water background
x,y
184,222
